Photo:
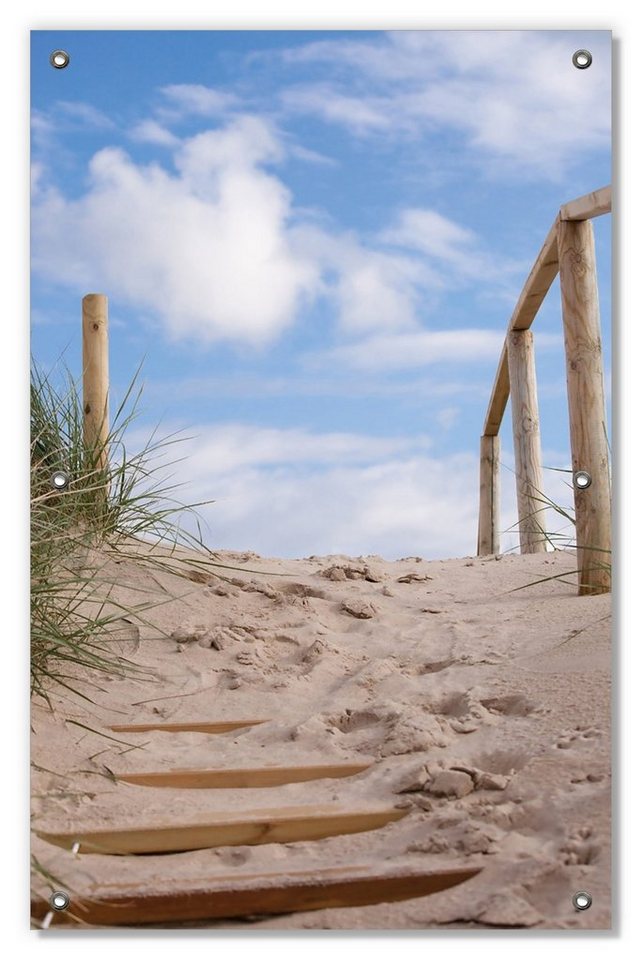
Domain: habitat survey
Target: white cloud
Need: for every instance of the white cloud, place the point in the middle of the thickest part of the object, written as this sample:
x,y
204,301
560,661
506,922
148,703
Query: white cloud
x,y
334,382
37,174
384,283
443,240
150,131
233,445
42,128
401,351
447,417
311,156
196,99
372,289
243,145
220,252
430,232
207,249
377,291
513,95
215,251
84,114
295,492
417,349
358,114
49,129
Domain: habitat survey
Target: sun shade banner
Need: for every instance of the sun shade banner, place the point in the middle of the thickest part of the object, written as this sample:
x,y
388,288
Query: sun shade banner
x,y
321,479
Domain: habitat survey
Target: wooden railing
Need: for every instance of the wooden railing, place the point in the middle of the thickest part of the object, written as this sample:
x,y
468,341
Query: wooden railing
x,y
569,250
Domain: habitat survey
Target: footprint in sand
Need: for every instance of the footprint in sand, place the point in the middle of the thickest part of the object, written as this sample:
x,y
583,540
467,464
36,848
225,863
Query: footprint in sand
x,y
577,737
503,762
302,590
231,857
472,644
454,703
452,834
352,720
514,705
580,848
229,679
435,666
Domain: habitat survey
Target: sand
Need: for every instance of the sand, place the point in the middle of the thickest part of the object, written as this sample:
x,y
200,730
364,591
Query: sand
x,y
484,711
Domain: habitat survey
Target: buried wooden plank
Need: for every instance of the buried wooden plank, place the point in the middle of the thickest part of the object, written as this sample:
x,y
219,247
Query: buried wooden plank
x,y
278,825
254,894
185,726
241,777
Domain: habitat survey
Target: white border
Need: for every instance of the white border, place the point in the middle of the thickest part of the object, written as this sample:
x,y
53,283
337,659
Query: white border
x,y
617,15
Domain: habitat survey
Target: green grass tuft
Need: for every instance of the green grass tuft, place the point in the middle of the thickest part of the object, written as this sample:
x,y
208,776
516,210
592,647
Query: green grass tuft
x,y
564,539
117,507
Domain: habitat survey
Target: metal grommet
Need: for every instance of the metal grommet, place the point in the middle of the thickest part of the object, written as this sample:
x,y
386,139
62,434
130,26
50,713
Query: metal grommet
x,y
582,59
59,480
59,901
582,479
582,900
59,59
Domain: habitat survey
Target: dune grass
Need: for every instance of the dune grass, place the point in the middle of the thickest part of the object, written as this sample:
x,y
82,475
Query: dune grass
x,y
114,503
565,539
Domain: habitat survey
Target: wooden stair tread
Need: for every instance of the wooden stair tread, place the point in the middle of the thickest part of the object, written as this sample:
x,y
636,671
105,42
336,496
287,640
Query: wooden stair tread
x,y
184,726
278,825
242,776
254,894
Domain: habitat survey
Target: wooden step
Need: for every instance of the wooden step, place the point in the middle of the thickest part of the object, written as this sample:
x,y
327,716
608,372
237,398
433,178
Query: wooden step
x,y
186,726
278,825
254,894
241,777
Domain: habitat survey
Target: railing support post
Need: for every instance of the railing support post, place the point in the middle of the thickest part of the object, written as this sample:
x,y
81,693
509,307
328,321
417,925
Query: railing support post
x,y
95,365
526,438
586,403
488,533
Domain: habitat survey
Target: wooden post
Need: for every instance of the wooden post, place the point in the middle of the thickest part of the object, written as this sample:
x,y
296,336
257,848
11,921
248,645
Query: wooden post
x,y
488,533
586,404
526,438
95,364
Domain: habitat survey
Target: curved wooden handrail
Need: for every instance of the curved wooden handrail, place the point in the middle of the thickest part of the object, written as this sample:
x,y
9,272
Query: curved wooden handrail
x,y
576,316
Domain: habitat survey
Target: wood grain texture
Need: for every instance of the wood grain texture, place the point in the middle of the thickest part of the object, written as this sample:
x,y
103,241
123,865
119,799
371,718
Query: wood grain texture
x,y
591,205
241,777
278,825
185,726
249,895
95,364
488,531
527,442
538,282
537,285
498,397
586,403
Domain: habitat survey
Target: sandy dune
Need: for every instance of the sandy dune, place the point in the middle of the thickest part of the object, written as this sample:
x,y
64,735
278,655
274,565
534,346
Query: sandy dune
x,y
484,711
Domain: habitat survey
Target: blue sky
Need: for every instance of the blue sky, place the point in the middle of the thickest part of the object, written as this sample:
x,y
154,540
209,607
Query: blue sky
x,y
315,240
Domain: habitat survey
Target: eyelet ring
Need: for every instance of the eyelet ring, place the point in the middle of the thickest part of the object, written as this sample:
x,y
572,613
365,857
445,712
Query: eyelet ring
x,y
582,59
59,59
